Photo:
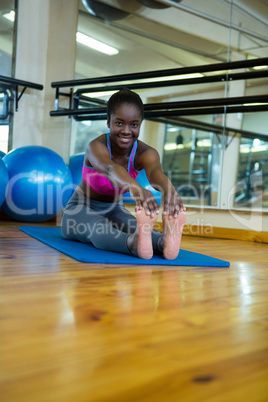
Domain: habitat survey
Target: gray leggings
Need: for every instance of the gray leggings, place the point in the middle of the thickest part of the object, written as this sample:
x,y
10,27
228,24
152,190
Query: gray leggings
x,y
106,225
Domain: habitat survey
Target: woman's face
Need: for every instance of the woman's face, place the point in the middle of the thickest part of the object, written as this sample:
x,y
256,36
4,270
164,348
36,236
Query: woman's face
x,y
124,125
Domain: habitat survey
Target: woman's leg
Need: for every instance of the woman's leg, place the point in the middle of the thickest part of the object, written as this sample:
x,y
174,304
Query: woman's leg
x,y
84,224
110,227
124,221
172,233
166,243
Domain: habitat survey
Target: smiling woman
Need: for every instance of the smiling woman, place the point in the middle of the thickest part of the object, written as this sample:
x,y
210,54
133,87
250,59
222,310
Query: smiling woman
x,y
124,118
111,165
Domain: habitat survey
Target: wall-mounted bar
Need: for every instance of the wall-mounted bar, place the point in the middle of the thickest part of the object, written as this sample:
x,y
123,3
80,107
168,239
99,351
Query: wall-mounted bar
x,y
216,129
101,115
204,106
13,84
187,81
86,108
165,73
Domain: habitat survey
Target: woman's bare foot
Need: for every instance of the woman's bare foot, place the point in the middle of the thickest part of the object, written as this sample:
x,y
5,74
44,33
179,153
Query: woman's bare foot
x,y
172,231
140,242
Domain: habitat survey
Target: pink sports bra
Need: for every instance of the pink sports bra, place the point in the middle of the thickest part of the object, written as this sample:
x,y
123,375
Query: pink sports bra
x,y
100,183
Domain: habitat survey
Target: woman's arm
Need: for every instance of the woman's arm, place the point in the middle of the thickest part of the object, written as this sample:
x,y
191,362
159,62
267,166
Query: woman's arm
x,y
171,200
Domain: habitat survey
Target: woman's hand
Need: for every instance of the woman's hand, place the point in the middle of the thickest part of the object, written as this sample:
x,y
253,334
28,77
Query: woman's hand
x,y
172,203
144,199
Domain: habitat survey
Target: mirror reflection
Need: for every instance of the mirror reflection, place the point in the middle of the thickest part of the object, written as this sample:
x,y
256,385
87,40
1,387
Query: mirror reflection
x,y
218,159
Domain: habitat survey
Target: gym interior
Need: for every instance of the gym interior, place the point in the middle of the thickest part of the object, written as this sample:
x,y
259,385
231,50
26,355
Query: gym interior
x,y
110,331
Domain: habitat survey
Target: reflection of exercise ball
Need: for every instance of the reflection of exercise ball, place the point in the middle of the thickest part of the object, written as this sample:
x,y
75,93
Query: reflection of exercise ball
x,y
3,181
143,181
104,11
153,4
156,4
40,184
76,165
2,154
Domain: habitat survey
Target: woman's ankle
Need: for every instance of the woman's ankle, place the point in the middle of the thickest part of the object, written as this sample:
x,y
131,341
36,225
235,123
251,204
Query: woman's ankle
x,y
131,245
159,245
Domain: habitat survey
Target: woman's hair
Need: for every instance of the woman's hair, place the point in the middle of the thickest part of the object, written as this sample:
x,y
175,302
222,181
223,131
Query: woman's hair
x,y
125,95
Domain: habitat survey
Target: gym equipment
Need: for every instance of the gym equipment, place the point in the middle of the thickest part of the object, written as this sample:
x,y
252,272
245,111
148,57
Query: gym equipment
x,y
40,184
76,165
153,4
143,181
104,11
14,87
4,179
85,252
163,110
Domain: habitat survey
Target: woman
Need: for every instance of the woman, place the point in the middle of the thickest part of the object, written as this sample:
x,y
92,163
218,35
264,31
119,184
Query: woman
x,y
96,214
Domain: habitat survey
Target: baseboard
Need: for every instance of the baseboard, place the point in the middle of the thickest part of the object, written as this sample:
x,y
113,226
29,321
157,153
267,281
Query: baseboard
x,y
221,233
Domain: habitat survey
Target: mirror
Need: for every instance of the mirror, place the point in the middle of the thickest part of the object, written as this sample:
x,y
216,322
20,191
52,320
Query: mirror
x,y
210,158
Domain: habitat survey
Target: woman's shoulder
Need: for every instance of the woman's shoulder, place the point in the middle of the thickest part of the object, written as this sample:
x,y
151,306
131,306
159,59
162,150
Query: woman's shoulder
x,y
101,138
98,146
143,147
144,154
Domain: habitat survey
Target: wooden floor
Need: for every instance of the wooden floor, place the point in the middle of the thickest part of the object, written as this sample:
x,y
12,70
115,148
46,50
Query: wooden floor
x,y
75,332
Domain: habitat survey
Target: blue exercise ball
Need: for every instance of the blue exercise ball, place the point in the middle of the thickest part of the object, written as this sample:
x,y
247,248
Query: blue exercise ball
x,y
143,181
4,179
40,184
76,165
2,154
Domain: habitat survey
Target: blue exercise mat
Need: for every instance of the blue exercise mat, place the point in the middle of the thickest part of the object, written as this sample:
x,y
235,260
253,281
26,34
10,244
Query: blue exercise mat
x,y
88,253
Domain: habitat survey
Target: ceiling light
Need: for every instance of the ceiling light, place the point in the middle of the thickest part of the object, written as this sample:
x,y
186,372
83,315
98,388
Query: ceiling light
x,y
255,104
95,44
260,148
260,68
204,143
181,77
245,150
172,146
10,16
173,129
256,142
98,94
87,122
173,77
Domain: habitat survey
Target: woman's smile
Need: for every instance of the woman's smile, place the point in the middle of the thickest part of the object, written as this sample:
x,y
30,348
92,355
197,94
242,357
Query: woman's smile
x,y
125,140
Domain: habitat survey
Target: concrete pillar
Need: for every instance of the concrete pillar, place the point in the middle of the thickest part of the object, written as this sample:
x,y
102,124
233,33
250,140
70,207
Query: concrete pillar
x,y
230,157
46,45
153,134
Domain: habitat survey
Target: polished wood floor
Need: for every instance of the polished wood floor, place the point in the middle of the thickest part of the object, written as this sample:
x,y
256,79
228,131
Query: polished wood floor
x,y
82,332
